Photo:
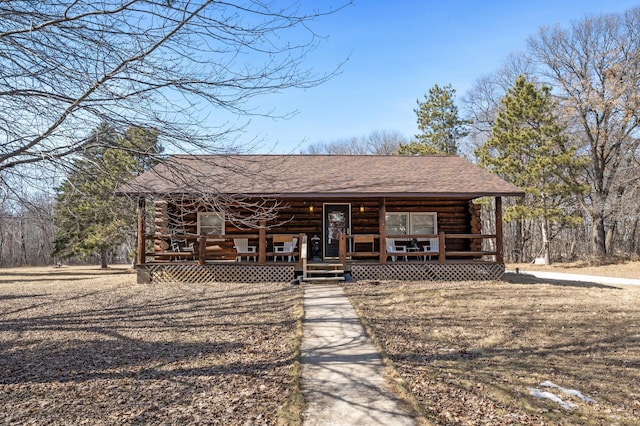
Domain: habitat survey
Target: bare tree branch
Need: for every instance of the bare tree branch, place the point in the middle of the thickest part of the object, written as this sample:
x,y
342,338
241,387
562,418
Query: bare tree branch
x,y
595,69
67,67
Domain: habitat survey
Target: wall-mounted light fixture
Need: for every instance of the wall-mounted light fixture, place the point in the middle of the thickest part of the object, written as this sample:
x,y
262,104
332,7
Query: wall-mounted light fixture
x,y
310,208
361,208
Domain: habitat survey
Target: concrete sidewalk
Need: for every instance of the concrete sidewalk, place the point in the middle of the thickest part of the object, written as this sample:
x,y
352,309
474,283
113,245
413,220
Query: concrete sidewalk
x,y
341,370
563,276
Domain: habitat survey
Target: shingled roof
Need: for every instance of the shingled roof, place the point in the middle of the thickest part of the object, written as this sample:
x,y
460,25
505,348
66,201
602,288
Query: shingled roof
x,y
289,176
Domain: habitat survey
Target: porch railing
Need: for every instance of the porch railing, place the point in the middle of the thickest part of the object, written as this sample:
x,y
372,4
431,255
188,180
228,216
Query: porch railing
x,y
442,253
220,248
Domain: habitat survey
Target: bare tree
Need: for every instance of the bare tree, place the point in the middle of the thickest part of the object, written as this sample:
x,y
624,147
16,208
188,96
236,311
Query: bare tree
x,y
385,142
595,69
346,146
66,67
26,232
481,104
378,142
187,69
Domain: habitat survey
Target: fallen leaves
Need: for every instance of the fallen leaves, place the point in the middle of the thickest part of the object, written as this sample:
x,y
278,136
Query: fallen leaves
x,y
118,353
469,351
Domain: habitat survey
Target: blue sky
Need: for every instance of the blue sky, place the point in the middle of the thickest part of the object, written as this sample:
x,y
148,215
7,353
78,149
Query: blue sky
x,y
396,51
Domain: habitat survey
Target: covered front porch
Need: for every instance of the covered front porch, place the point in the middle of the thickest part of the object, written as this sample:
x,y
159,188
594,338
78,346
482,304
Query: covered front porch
x,y
457,250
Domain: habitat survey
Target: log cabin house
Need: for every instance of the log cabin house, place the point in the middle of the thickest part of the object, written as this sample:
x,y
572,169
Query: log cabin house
x,y
255,218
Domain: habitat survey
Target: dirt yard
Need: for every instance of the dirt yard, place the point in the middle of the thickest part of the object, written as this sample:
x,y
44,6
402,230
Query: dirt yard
x,y
472,353
86,346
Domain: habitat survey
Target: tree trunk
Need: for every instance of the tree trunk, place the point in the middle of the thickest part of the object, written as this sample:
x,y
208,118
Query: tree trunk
x,y
608,240
633,245
546,252
598,236
518,242
23,243
103,258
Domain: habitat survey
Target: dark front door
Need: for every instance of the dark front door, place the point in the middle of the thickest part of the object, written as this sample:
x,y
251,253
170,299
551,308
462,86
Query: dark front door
x,y
337,220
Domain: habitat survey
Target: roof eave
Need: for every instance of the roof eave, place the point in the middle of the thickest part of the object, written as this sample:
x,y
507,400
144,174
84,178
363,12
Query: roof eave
x,y
459,195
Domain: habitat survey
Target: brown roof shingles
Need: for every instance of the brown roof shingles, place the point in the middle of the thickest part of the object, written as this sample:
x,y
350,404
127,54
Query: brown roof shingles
x,y
321,175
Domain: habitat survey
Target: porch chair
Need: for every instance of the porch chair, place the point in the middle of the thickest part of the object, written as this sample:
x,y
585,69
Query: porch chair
x,y
363,239
430,247
181,246
286,247
244,249
393,249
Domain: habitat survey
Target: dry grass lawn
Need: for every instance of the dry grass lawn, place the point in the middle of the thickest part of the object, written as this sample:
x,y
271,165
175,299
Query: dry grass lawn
x,y
86,346
469,352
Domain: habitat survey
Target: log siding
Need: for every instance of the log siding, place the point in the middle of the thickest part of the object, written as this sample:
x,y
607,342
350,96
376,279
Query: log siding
x,y
294,217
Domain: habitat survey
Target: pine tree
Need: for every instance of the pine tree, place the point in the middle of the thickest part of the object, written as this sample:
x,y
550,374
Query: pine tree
x,y
530,147
439,122
90,219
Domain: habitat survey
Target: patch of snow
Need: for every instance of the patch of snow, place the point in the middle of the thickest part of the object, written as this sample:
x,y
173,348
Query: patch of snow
x,y
537,393
572,392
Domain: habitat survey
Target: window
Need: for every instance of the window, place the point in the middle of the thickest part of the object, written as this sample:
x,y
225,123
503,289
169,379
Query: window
x,y
397,223
423,223
211,223
412,223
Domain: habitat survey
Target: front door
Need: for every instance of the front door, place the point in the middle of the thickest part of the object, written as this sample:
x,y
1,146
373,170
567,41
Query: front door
x,y
337,220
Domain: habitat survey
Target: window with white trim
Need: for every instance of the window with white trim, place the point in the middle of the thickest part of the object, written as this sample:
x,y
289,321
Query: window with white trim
x,y
211,223
423,223
416,223
397,223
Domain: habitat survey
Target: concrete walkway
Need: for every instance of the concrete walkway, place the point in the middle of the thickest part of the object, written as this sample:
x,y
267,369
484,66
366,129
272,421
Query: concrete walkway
x,y
563,276
341,370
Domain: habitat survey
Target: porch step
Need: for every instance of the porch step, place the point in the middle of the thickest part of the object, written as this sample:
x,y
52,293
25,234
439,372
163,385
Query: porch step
x,y
312,279
324,272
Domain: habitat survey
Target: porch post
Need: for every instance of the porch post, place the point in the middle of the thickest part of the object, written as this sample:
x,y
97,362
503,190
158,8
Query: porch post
x,y
342,249
262,243
442,250
302,246
499,240
142,256
382,225
202,248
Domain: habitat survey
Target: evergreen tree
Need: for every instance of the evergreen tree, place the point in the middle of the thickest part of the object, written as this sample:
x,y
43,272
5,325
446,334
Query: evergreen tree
x,y
439,122
530,147
90,218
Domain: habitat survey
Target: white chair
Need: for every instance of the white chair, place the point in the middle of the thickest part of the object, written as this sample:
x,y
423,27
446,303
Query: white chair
x,y
244,249
181,246
286,247
392,249
430,247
